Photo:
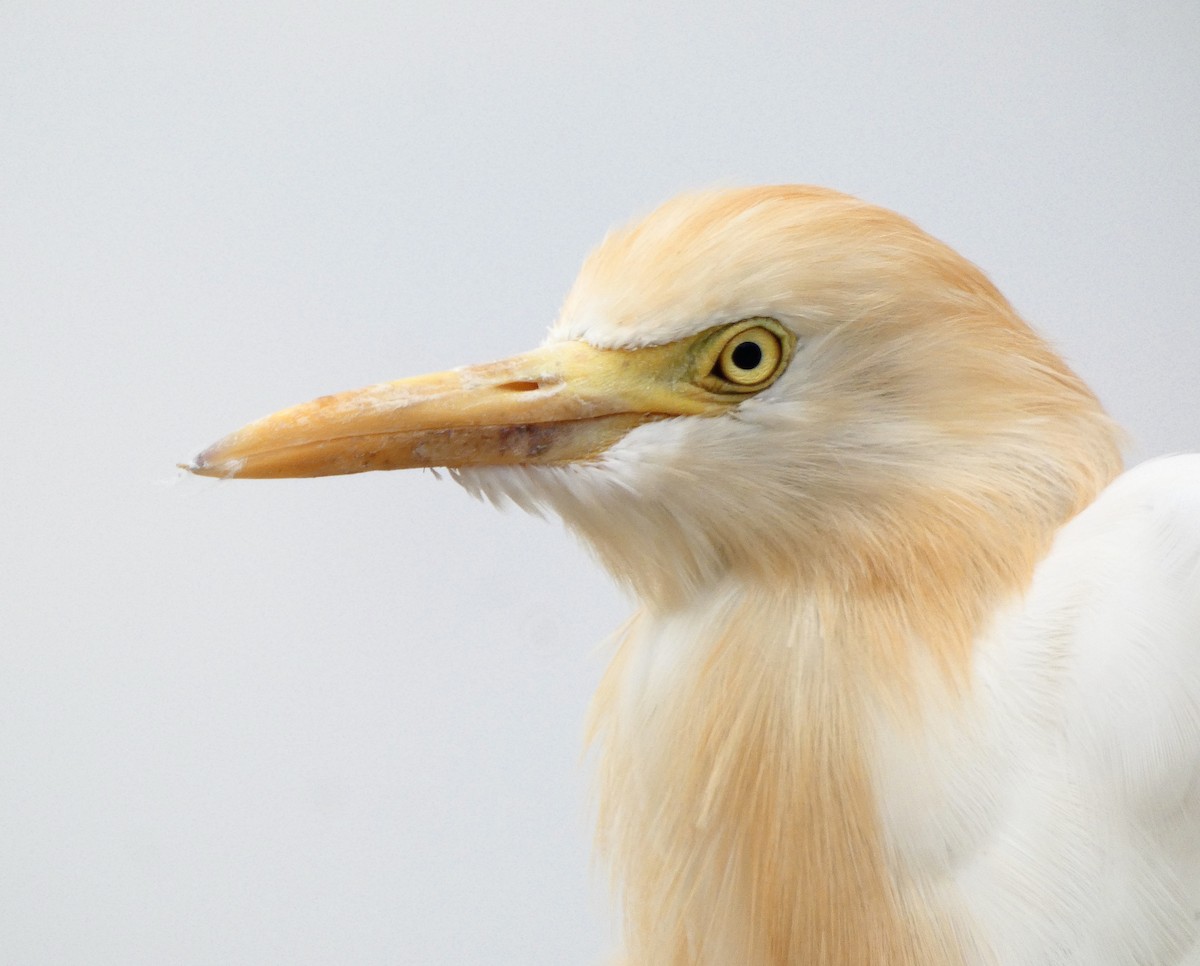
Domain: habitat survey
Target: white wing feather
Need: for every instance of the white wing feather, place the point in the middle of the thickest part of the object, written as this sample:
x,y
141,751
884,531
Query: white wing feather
x,y
1066,814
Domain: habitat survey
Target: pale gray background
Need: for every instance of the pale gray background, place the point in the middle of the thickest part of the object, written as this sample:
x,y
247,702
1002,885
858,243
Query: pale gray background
x,y
339,721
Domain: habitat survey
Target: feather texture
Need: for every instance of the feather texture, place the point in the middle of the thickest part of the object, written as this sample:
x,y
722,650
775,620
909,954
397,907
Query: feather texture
x,y
911,682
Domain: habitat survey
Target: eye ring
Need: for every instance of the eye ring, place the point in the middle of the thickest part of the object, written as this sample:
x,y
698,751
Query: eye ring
x,y
750,359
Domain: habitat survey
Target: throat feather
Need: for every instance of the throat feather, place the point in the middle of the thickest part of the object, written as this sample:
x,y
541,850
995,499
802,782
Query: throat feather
x,y
737,808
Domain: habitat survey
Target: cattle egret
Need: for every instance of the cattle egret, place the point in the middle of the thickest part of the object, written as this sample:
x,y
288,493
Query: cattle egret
x,y
915,678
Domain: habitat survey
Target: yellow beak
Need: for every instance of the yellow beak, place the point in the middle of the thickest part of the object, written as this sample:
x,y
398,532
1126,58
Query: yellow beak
x,y
563,403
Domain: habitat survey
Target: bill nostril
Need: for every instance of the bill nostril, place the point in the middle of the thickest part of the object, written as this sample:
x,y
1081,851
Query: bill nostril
x,y
520,386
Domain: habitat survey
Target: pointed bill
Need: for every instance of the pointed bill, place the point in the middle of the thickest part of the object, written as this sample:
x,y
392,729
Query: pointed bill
x,y
566,402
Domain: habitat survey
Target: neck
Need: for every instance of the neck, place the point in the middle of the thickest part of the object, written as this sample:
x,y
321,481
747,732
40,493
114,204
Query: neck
x,y
746,831
736,733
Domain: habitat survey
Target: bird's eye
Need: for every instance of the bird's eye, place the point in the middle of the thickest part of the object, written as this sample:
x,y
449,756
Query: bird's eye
x,y
744,357
750,358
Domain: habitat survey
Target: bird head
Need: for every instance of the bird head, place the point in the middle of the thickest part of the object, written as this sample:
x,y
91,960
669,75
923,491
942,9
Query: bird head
x,y
779,382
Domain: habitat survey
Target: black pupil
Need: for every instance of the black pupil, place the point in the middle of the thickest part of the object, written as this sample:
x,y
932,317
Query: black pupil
x,y
747,356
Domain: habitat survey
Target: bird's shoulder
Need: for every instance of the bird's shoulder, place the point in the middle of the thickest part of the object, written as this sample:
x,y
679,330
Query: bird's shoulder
x,y
1137,543
1088,698
1158,500
1116,608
